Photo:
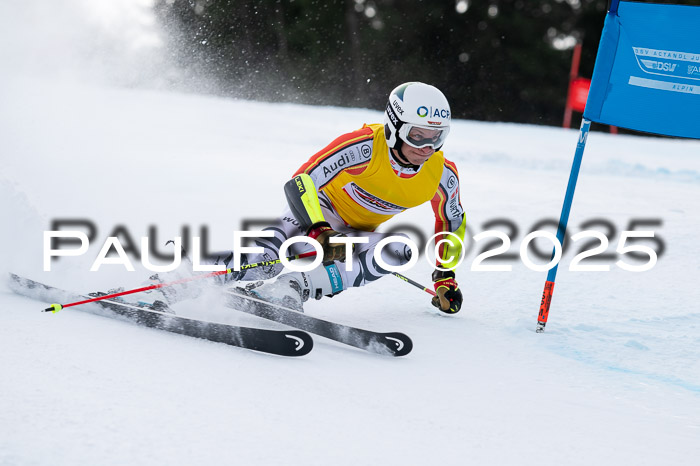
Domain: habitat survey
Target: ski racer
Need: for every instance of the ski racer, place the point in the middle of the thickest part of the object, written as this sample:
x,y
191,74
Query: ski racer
x,y
356,183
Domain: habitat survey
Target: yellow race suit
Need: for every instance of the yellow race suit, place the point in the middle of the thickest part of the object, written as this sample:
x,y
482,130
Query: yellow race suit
x,y
366,186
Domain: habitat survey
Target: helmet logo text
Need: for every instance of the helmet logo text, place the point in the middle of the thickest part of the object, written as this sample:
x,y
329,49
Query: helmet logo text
x,y
424,111
392,116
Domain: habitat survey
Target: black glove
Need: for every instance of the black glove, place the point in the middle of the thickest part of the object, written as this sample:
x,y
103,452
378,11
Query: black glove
x,y
322,232
449,298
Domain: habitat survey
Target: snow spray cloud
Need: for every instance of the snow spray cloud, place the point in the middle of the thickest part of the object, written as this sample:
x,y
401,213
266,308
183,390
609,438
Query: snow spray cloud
x,y
103,42
21,229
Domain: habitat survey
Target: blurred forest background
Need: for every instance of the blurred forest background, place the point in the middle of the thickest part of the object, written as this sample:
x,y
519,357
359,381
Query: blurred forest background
x,y
496,60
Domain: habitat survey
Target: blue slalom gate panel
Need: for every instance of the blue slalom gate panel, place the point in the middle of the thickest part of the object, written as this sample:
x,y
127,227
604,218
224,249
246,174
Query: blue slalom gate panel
x,y
647,72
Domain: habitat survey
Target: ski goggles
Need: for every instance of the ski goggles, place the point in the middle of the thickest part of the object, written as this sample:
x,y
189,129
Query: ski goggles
x,y
420,136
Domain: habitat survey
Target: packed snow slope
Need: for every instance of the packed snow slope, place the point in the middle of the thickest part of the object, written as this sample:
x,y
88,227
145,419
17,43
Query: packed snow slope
x,y
615,379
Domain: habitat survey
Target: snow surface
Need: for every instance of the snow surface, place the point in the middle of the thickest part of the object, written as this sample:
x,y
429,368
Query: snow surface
x,y
615,379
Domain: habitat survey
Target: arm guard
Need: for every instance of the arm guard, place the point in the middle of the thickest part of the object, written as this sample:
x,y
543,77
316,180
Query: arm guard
x,y
303,201
456,251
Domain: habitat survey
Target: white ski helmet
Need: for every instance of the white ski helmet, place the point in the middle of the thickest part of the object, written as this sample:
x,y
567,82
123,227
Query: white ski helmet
x,y
417,114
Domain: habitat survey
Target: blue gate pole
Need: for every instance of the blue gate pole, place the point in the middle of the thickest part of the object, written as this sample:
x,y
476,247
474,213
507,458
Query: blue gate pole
x,y
563,221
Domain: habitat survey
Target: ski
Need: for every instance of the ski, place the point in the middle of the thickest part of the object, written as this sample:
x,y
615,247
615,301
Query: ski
x,y
393,343
279,342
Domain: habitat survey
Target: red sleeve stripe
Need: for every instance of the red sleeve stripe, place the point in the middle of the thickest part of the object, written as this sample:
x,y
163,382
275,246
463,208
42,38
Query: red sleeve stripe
x,y
440,222
452,166
438,204
358,169
338,144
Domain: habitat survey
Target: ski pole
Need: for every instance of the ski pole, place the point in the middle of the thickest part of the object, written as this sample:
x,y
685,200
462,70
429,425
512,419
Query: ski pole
x,y
396,274
57,307
414,283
